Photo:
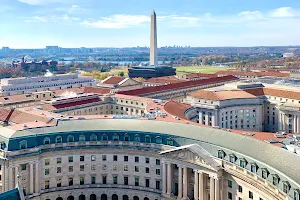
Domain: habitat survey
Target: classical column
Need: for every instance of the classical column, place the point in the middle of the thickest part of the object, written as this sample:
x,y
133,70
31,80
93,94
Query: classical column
x,y
37,180
164,180
200,117
196,184
298,124
3,177
213,119
179,182
169,178
295,124
206,118
10,178
31,178
283,123
201,186
185,183
217,189
6,178
212,188
16,174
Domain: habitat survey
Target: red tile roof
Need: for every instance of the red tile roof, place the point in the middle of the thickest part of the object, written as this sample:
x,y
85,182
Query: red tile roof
x,y
76,103
112,80
275,92
96,90
186,84
221,95
165,80
199,75
176,109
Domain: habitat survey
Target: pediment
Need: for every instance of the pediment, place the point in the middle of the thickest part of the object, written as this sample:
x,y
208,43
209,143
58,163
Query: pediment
x,y
193,154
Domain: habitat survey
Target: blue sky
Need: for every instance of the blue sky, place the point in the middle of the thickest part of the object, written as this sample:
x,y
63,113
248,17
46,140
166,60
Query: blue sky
x,y
126,23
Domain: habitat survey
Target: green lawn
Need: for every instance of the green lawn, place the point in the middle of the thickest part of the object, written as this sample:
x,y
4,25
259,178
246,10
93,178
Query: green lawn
x,y
201,69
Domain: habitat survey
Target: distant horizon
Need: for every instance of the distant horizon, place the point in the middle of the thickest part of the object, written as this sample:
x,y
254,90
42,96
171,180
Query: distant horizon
x,y
186,46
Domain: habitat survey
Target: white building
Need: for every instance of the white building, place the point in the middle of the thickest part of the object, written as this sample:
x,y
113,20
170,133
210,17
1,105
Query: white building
x,y
13,86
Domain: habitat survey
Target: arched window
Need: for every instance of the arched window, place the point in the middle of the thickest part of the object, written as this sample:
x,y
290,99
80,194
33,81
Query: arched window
x,y
58,139
59,198
93,137
126,137
23,144
81,138
93,197
70,138
70,198
148,139
135,198
104,137
46,140
115,137
158,140
82,197
103,197
125,197
137,138
146,198
114,197
170,141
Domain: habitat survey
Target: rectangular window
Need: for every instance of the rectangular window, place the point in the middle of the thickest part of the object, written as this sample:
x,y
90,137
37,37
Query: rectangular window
x,y
103,157
70,168
70,181
47,184
81,158
157,171
125,158
136,181
58,183
125,180
70,158
115,158
47,161
147,170
104,179
93,167
253,168
126,168
147,182
250,195
93,180
23,167
136,159
230,195
81,168
104,167
115,167
286,188
240,189
147,160
157,162
58,170
81,180
115,179
93,158
136,168
58,160
47,172
157,184
229,183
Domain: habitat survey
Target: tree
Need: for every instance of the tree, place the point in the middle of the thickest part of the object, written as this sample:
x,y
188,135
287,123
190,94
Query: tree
x,y
121,74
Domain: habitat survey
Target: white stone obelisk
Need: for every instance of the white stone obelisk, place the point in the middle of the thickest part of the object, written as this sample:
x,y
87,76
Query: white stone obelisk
x,y
153,41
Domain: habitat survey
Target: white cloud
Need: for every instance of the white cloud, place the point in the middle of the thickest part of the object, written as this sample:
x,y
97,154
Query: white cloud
x,y
38,2
283,12
118,21
252,15
71,10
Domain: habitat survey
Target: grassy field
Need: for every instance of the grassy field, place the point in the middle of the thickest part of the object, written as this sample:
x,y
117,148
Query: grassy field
x,y
201,69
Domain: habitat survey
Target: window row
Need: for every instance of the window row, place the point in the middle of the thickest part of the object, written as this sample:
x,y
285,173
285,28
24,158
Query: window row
x,y
82,181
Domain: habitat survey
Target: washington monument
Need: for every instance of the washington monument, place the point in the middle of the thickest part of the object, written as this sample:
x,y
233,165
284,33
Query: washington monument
x,y
153,41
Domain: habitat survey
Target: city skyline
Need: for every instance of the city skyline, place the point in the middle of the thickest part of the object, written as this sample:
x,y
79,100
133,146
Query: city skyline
x,y
77,23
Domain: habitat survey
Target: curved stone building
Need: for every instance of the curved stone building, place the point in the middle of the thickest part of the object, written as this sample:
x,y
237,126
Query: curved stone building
x,y
140,159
